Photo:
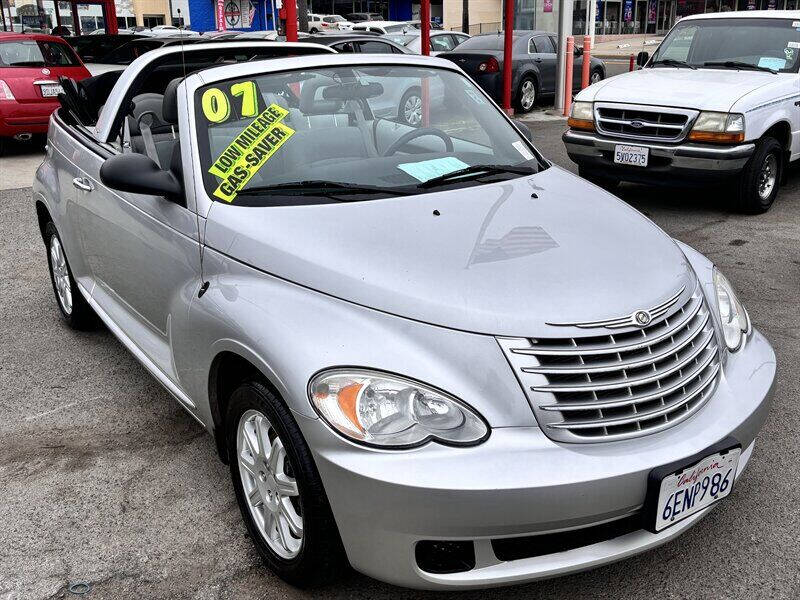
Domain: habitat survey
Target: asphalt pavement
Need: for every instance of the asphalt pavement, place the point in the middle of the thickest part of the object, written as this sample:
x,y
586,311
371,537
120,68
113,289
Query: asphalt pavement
x,y
105,479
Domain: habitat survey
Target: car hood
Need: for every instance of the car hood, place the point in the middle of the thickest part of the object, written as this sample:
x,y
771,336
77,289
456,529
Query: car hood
x,y
701,89
501,259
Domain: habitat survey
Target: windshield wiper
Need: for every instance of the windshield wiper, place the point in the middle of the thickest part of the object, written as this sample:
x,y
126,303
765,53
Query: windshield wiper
x,y
320,187
476,171
671,62
735,64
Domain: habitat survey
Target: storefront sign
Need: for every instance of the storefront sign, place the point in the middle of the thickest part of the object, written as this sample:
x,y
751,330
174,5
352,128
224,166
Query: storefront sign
x,y
220,15
598,13
652,10
627,11
548,6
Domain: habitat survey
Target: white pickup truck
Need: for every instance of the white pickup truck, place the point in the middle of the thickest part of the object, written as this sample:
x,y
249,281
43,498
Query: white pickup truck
x,y
717,103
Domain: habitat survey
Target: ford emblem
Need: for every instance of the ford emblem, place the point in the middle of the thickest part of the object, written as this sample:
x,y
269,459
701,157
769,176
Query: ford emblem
x,y
637,124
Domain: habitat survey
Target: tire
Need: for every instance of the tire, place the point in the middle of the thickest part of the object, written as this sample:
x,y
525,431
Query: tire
x,y
409,111
526,95
607,183
71,304
318,557
758,185
595,76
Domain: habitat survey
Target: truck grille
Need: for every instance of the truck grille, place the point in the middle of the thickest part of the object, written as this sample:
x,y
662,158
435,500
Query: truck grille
x,y
624,383
643,122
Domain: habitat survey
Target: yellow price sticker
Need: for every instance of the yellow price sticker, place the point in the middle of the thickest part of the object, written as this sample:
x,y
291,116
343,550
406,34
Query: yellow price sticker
x,y
250,151
217,106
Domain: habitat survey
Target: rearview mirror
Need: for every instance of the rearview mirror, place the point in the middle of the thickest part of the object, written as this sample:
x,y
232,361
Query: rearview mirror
x,y
523,129
139,174
642,58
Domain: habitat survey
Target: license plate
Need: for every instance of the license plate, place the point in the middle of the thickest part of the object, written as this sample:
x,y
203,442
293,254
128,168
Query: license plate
x,y
631,155
690,489
51,91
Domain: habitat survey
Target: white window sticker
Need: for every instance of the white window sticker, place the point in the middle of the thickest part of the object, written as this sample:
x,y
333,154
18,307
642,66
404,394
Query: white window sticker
x,y
793,45
526,154
795,24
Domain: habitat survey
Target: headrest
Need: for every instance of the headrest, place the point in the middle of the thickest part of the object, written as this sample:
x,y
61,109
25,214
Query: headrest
x,y
170,108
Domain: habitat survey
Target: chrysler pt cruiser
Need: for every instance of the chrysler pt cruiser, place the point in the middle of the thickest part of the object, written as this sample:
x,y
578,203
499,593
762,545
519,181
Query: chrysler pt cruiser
x,y
426,352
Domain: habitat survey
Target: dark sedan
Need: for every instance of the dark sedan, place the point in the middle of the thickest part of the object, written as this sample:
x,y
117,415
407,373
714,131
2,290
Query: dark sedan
x,y
365,44
533,67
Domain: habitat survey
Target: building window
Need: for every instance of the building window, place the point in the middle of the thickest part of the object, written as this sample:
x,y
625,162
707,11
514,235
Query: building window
x,y
151,21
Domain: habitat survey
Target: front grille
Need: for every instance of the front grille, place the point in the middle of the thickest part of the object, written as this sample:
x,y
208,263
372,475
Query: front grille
x,y
621,383
643,122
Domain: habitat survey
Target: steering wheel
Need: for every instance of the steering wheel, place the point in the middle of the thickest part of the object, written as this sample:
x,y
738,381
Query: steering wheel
x,y
421,132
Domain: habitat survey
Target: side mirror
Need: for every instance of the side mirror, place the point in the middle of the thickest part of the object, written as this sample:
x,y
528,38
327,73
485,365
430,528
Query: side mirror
x,y
642,58
523,129
139,174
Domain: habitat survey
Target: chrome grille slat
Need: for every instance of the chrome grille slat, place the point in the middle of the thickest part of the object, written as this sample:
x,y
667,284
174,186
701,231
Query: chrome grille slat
x,y
617,365
640,122
612,384
574,406
638,416
626,382
573,350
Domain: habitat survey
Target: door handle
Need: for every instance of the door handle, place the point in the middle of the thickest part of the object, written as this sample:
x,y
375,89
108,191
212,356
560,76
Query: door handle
x,y
538,59
83,184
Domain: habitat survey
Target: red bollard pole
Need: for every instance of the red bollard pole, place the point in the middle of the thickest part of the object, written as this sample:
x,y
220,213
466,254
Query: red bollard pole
x,y
507,56
291,20
632,65
568,82
425,27
587,60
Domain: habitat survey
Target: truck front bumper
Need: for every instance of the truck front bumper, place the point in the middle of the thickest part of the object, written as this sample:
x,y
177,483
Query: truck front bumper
x,y
669,164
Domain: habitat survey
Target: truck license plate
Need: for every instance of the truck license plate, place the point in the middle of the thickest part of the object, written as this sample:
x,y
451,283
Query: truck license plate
x,y
631,155
696,487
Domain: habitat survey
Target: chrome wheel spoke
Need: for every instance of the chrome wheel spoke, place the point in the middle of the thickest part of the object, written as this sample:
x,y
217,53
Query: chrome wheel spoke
x,y
276,456
254,496
262,437
286,485
293,520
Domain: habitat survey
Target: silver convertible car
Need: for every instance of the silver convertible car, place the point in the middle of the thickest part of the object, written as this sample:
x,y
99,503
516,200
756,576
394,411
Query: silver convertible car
x,y
426,352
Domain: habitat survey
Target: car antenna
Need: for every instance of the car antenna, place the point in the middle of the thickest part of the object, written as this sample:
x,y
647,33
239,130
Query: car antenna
x,y
203,282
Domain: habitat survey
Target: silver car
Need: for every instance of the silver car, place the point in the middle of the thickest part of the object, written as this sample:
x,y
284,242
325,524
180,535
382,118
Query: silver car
x,y
426,352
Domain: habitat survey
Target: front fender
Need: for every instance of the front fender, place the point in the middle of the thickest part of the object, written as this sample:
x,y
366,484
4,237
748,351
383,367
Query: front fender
x,y
290,332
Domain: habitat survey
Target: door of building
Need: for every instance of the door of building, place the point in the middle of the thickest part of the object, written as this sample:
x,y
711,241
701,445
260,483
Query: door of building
x,y
666,16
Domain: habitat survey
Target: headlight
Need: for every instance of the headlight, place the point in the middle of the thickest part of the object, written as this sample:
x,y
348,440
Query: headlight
x,y
735,322
718,127
390,411
581,116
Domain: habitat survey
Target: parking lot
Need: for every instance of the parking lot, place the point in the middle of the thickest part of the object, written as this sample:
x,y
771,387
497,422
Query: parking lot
x,y
107,481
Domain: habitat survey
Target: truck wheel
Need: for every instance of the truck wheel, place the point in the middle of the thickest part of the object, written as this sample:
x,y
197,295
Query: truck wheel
x,y
597,75
74,309
279,491
607,183
526,95
758,184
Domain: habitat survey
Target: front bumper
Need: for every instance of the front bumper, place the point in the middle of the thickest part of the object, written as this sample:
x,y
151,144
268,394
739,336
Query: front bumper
x,y
520,483
675,164
25,117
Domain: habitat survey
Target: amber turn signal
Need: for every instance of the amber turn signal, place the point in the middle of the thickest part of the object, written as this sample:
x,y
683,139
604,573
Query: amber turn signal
x,y
716,137
585,124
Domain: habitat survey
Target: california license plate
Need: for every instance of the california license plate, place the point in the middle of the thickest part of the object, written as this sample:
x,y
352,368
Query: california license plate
x,y
51,91
690,489
631,155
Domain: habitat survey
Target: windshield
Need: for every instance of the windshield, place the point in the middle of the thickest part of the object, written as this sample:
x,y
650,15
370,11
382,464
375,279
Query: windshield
x,y
768,44
352,133
37,54
483,42
401,38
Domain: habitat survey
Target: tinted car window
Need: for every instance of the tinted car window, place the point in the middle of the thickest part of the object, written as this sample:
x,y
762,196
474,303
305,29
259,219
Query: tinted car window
x,y
37,54
442,43
483,42
125,55
375,47
543,45
346,47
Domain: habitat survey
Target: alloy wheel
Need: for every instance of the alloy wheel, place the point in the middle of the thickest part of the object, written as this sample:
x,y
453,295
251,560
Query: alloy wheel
x,y
528,94
767,177
269,484
412,110
595,77
60,274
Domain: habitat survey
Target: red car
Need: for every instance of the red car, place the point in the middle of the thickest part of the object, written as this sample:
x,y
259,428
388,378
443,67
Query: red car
x,y
30,65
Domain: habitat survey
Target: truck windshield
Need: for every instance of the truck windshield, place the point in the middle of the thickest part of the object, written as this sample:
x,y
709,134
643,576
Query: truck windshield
x,y
744,43
352,133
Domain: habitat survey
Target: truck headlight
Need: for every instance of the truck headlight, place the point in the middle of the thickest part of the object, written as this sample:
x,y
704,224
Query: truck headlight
x,y
581,116
733,316
389,411
724,128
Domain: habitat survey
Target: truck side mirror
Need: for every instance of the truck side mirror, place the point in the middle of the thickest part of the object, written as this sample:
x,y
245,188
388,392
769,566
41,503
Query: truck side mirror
x,y
642,58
